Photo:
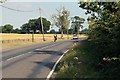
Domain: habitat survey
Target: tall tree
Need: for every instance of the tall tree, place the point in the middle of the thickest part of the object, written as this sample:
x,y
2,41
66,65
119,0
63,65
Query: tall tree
x,y
46,24
3,1
61,20
76,23
35,24
25,28
1,29
17,31
7,28
104,25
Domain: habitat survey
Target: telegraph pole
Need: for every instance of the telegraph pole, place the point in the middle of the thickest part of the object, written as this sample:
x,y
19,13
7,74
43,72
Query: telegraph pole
x,y
32,34
41,24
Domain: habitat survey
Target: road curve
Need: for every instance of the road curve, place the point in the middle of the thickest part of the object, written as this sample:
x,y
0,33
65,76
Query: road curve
x,y
33,61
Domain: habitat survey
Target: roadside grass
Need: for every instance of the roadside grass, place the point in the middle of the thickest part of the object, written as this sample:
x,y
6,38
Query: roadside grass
x,y
83,62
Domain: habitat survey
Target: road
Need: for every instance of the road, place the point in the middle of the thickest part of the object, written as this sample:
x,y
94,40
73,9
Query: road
x,y
35,61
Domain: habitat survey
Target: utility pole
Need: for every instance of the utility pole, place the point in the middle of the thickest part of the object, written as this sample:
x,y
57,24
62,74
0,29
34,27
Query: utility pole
x,y
41,24
32,34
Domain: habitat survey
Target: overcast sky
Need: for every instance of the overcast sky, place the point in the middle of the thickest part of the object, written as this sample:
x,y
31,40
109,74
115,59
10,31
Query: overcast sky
x,y
48,9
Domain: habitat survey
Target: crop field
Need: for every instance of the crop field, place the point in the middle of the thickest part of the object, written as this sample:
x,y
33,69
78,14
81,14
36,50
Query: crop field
x,y
16,40
27,36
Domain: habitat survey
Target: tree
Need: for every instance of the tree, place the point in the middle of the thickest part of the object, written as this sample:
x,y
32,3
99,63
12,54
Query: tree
x,y
61,20
16,30
104,25
84,31
35,24
70,31
3,1
25,28
7,28
1,29
76,23
46,25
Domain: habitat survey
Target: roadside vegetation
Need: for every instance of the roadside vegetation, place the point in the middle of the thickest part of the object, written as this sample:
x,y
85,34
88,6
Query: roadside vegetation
x,y
99,55
84,62
96,57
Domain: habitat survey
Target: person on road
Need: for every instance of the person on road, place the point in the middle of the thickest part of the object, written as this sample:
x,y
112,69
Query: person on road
x,y
55,37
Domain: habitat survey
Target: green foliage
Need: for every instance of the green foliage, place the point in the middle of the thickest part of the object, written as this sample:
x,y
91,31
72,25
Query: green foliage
x,y
3,1
1,29
70,31
35,24
16,30
25,28
84,62
76,24
7,28
61,20
84,31
104,25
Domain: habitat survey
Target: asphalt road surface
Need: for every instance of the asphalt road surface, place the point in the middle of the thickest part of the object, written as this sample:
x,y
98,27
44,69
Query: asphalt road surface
x,y
33,61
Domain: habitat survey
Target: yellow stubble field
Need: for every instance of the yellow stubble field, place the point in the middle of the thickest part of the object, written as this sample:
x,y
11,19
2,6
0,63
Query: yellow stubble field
x,y
10,41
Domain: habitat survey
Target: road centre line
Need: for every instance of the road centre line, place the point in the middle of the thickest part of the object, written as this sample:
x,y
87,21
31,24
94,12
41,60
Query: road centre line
x,y
22,54
15,57
53,69
46,47
28,52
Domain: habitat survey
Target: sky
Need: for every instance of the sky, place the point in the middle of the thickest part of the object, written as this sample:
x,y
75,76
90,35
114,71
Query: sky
x,y
17,19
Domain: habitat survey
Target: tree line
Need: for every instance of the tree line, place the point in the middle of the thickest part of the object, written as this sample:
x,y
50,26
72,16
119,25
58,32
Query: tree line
x,y
33,25
62,20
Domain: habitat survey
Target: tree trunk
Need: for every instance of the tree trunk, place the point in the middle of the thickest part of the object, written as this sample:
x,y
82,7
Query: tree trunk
x,y
67,34
61,34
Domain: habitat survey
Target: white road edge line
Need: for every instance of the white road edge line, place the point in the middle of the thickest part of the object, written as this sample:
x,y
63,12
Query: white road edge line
x,y
53,69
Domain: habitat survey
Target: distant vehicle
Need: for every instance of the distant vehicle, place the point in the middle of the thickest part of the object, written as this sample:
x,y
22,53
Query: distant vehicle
x,y
75,37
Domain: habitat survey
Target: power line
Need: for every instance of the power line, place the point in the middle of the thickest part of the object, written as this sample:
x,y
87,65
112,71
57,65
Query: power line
x,y
17,9
41,24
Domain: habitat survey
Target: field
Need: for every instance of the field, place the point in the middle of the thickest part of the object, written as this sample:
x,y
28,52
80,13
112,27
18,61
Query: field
x,y
17,40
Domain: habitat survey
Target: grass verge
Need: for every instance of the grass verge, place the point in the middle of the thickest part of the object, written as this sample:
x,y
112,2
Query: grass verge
x,y
84,62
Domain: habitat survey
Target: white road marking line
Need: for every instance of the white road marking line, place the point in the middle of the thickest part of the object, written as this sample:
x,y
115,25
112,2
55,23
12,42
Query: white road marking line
x,y
46,47
15,57
53,69
43,48
28,52
66,51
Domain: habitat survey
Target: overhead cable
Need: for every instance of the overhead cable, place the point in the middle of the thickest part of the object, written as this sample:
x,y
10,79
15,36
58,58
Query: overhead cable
x,y
17,9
